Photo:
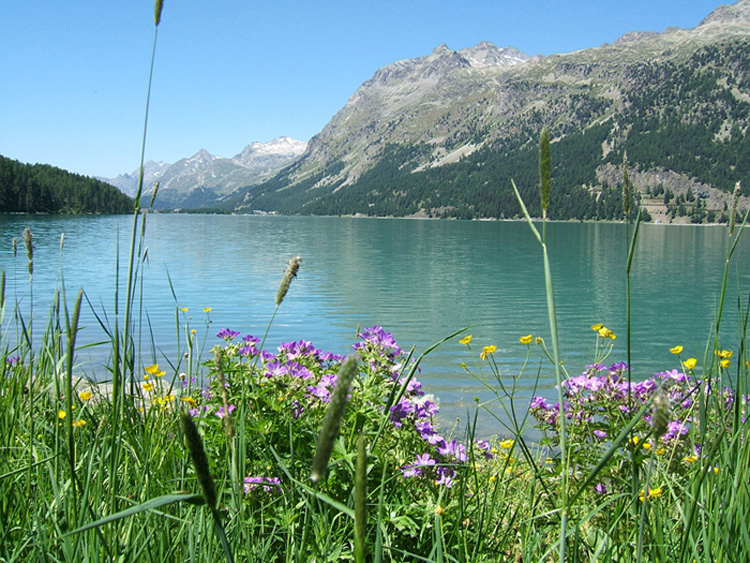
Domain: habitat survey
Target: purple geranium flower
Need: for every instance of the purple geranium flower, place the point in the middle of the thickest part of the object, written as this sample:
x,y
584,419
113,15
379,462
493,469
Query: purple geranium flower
x,y
227,334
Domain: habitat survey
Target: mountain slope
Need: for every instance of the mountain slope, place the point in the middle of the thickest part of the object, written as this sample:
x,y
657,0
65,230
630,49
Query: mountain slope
x,y
444,134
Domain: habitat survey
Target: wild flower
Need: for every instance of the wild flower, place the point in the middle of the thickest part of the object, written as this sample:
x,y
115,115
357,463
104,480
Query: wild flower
x,y
227,334
85,396
267,484
466,340
526,339
488,351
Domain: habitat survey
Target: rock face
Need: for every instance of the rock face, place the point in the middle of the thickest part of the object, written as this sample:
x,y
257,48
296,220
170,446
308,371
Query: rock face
x,y
203,179
422,126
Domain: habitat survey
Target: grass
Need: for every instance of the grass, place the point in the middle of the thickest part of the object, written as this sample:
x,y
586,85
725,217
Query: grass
x,y
248,454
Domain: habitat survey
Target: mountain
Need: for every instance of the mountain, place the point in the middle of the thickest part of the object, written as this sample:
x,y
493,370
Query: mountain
x,y
203,179
128,183
444,135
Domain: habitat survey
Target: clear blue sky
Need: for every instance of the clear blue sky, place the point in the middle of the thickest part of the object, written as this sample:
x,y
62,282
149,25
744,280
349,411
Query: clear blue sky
x,y
73,73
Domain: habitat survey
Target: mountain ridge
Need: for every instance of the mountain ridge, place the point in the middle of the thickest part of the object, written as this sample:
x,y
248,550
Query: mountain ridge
x,y
210,176
425,116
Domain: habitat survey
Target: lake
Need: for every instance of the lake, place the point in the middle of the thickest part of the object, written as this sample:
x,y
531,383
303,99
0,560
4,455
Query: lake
x,y
420,279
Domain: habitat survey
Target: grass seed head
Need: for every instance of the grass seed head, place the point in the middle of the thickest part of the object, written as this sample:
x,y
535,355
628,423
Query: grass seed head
x,y
289,275
157,12
200,461
661,414
329,432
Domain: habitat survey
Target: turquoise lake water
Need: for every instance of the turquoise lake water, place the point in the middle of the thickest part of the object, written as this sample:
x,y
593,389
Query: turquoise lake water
x,y
421,280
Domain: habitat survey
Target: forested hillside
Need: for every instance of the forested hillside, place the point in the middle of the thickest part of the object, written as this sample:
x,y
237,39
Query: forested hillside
x,y
40,188
669,108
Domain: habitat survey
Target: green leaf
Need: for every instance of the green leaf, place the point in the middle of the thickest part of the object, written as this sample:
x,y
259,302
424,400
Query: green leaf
x,y
143,507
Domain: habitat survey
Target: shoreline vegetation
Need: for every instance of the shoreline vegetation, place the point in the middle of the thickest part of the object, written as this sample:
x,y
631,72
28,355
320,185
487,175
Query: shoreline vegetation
x,y
238,449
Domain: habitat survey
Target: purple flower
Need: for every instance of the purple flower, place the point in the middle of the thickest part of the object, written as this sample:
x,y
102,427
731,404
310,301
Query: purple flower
x,y
454,449
276,369
675,429
320,392
445,477
601,488
227,334
538,403
401,410
424,460
600,435
250,339
378,338
330,357
484,445
411,471
425,409
248,350
674,375
295,369
268,483
221,413
266,356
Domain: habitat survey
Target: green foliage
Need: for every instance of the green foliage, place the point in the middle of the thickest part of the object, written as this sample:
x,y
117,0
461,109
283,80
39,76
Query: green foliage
x,y
39,188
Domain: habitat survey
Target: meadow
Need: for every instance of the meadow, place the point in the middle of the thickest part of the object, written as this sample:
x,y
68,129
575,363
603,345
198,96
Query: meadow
x,y
258,451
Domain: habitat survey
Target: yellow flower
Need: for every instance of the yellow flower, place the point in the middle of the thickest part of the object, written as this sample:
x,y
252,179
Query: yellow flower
x,y
493,478
147,386
715,469
725,354
206,309
152,369
539,340
634,440
604,332
184,309
597,327
465,339
724,363
85,395
652,493
647,445
507,444
659,451
61,414
439,510
190,401
78,423
676,350
526,339
488,350
690,363
160,373
691,458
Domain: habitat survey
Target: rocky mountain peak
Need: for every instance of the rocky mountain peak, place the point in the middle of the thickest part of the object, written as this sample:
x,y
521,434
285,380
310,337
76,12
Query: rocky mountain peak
x,y
485,54
728,14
